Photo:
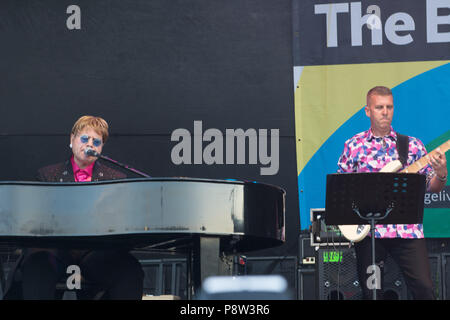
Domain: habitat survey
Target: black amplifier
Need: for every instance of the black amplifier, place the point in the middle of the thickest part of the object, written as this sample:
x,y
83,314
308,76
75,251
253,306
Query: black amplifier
x,y
322,234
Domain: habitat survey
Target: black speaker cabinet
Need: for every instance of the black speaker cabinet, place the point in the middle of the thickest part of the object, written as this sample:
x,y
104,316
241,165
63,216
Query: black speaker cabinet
x,y
438,254
436,275
337,279
446,277
285,266
165,277
394,285
306,269
336,274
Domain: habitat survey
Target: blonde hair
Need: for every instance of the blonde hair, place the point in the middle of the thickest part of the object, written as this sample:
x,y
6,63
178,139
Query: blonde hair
x,y
378,91
98,124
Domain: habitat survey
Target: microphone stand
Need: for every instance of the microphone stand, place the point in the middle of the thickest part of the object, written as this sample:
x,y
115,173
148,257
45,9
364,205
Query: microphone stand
x,y
122,165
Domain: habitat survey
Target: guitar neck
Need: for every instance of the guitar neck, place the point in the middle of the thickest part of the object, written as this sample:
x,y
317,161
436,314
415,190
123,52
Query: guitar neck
x,y
422,162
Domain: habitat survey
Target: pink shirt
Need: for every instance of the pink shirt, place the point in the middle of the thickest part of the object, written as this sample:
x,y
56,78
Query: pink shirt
x,y
366,153
81,175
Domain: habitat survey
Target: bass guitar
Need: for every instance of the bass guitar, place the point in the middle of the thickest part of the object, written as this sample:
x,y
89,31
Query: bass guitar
x,y
356,233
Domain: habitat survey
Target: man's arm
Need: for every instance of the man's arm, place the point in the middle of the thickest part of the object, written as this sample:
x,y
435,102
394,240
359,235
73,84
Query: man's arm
x,y
345,162
439,164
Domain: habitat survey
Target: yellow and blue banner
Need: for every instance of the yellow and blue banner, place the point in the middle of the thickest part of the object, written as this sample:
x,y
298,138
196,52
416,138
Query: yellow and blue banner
x,y
339,54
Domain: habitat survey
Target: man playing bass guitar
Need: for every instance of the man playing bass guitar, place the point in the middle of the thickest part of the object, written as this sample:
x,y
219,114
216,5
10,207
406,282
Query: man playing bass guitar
x,y
370,151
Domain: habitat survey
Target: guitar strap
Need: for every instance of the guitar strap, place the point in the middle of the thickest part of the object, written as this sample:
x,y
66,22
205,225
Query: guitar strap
x,y
402,148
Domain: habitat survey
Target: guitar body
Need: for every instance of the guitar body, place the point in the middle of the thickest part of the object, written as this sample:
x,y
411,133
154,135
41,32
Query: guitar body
x,y
356,233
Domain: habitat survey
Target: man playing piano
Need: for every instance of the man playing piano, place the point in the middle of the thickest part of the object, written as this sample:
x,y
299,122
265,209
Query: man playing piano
x,y
115,271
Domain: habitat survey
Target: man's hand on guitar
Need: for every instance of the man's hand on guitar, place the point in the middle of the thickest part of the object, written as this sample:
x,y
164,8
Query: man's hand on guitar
x,y
439,163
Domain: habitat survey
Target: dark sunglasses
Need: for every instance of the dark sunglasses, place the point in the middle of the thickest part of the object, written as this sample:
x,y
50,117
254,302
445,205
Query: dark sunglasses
x,y
85,138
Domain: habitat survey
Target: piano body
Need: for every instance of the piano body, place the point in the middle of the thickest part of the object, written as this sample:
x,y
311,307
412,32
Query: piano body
x,y
208,217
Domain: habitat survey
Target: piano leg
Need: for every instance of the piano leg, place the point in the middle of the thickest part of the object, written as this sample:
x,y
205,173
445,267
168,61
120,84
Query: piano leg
x,y
2,280
206,261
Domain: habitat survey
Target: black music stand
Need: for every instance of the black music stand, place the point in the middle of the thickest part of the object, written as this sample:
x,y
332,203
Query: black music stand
x,y
367,198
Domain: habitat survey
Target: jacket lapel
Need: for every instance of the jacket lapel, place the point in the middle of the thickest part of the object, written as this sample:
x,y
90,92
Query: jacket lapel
x,y
97,172
67,173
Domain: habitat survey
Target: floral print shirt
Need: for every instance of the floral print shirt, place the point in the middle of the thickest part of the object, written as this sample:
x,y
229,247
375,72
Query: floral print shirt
x,y
365,152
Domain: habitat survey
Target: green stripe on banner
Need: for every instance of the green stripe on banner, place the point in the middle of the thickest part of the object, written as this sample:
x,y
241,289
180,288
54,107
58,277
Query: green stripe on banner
x,y
436,223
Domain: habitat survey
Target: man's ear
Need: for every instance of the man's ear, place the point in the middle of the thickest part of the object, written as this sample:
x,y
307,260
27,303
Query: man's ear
x,y
71,140
367,110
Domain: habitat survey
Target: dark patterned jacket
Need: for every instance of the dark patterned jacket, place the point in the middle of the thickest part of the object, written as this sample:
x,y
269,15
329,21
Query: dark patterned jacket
x,y
63,172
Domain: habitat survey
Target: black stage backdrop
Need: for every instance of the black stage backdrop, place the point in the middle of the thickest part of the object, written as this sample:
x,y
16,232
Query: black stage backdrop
x,y
148,67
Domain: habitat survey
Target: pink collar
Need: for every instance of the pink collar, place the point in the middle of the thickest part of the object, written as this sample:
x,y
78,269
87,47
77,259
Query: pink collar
x,y
81,175
391,134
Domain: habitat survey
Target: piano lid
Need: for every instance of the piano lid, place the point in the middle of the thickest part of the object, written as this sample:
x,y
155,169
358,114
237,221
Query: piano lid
x,y
246,215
